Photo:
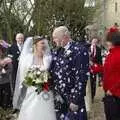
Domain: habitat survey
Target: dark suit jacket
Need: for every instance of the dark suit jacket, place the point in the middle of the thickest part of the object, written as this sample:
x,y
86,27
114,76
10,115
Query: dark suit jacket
x,y
98,58
98,55
14,52
68,70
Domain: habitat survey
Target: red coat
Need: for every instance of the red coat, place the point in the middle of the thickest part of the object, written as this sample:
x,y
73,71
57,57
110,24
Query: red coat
x,y
111,72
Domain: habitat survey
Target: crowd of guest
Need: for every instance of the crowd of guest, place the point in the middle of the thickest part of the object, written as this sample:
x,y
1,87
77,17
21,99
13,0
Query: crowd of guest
x,y
9,58
108,72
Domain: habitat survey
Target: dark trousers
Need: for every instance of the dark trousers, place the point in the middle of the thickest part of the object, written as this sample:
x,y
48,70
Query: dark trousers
x,y
5,95
112,107
93,85
14,73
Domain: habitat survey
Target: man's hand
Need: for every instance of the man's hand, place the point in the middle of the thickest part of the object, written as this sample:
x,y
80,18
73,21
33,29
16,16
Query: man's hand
x,y
59,98
73,107
109,93
7,60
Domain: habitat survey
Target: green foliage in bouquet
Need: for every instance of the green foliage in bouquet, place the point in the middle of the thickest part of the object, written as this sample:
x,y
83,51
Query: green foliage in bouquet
x,y
37,78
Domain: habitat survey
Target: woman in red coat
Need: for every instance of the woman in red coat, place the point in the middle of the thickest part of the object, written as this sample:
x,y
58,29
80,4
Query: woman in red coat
x,y
111,77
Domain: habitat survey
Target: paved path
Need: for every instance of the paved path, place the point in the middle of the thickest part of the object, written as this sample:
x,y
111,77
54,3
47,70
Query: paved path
x,y
98,111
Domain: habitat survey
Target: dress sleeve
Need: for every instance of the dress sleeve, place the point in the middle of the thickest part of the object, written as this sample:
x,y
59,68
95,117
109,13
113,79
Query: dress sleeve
x,y
115,74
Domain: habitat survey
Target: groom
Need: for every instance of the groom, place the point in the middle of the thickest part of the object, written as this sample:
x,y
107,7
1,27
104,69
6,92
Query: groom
x,y
69,71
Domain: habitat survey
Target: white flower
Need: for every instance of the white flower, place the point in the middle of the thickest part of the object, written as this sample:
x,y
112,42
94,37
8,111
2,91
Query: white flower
x,y
55,58
72,90
36,76
57,64
46,79
31,67
34,80
59,76
63,85
61,71
85,53
69,80
38,73
67,66
30,75
62,116
79,87
60,81
88,73
75,48
62,62
38,81
68,52
73,68
70,58
82,110
73,96
80,83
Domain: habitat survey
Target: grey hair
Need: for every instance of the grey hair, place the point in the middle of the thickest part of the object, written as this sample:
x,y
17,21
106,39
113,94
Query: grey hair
x,y
19,34
62,29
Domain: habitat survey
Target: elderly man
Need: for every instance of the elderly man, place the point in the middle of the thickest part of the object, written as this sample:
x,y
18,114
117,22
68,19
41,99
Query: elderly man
x,y
14,52
69,71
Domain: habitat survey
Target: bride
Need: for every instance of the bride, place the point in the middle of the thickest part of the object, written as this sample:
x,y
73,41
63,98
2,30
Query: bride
x,y
35,106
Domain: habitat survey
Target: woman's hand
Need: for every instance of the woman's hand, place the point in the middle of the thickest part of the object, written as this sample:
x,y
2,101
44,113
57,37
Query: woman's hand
x,y
7,60
109,93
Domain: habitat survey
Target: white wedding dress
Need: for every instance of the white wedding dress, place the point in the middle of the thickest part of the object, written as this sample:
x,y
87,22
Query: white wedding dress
x,y
33,106
36,107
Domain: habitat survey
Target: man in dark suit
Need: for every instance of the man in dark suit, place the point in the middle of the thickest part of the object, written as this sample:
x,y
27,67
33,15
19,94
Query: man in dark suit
x,y
14,52
69,71
96,58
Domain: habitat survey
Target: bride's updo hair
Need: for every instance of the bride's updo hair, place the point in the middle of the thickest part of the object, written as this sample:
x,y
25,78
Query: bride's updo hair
x,y
37,39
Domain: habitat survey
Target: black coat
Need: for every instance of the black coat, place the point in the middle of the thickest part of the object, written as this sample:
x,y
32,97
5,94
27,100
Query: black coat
x,y
14,52
98,57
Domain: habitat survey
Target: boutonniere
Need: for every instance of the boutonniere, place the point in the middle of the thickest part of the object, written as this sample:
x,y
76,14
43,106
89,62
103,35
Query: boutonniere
x,y
68,53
